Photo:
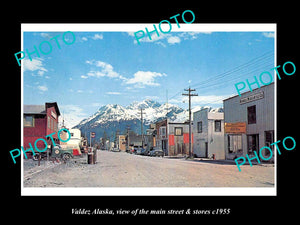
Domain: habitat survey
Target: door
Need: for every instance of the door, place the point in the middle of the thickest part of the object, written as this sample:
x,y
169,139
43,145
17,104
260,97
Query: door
x,y
269,139
253,144
206,149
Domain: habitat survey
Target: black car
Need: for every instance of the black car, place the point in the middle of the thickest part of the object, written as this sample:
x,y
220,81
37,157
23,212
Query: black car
x,y
156,152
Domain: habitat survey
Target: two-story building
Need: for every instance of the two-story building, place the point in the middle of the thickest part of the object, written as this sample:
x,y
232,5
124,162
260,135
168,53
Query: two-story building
x,y
208,129
38,122
249,122
173,137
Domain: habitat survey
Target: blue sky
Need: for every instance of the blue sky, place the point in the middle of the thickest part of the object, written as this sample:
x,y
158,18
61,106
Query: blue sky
x,y
111,68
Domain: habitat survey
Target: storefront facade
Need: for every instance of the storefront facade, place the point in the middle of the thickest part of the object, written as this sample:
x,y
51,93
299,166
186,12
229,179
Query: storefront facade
x,y
249,122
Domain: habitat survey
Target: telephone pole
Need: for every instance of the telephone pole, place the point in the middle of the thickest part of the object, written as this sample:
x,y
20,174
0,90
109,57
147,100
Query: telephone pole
x,y
128,128
142,129
190,118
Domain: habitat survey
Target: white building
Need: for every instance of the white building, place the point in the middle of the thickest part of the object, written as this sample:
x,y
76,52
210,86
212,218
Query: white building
x,y
249,122
208,129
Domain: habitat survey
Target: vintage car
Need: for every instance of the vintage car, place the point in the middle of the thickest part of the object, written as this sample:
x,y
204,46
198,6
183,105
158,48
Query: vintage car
x,y
156,152
61,152
65,152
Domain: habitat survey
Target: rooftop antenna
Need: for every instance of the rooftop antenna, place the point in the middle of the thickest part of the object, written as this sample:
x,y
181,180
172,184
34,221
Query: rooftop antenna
x,y
63,122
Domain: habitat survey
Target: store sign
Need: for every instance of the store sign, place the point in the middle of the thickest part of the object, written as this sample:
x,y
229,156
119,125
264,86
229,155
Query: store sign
x,y
235,128
251,98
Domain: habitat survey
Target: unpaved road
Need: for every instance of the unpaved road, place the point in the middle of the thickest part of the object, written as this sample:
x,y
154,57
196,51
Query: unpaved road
x,y
119,169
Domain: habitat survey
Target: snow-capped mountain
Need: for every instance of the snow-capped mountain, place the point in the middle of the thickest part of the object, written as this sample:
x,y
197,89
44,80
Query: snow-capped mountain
x,y
152,111
110,118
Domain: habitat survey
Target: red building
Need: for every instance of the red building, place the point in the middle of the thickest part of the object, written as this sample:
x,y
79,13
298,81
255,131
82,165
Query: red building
x,y
40,121
172,137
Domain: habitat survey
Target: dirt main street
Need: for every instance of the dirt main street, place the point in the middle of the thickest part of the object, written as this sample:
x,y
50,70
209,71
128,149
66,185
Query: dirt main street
x,y
119,169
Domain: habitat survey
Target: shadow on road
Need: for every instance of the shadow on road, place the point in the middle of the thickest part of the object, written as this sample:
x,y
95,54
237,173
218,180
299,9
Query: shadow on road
x,y
219,162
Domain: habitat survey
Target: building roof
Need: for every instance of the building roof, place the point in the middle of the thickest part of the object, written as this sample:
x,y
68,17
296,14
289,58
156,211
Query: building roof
x,y
34,109
40,109
50,104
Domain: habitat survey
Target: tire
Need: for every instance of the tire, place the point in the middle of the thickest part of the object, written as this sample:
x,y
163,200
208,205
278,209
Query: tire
x,y
35,157
66,156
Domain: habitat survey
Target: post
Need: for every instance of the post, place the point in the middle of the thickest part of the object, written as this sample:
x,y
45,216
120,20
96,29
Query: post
x,y
142,129
128,127
190,118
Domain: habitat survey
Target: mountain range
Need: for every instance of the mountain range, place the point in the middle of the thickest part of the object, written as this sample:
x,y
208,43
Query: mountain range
x,y
112,118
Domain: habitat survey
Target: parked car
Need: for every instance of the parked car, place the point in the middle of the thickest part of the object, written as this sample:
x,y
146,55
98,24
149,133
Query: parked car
x,y
156,152
139,151
115,150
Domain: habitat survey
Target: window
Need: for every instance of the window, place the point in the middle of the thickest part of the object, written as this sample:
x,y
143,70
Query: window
x,y
28,121
217,125
199,127
162,131
51,124
234,143
55,126
49,121
251,114
178,131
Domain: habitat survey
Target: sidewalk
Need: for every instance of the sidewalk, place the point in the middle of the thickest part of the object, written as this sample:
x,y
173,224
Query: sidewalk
x,y
219,161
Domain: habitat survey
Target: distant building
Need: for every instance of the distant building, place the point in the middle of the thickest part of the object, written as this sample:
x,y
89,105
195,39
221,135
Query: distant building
x,y
172,137
208,129
38,122
121,142
162,135
249,123
135,140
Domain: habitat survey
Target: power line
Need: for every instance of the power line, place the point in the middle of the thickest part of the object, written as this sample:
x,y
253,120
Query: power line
x,y
237,78
239,68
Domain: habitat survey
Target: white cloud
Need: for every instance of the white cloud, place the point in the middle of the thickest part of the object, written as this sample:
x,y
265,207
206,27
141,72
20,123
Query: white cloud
x,y
72,115
45,35
33,65
144,78
106,70
140,79
200,100
84,39
170,39
113,93
217,99
269,34
97,37
42,88
173,40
